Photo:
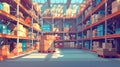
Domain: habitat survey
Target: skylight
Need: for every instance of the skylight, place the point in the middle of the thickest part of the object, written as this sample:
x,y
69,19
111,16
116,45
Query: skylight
x,y
76,1
39,1
58,1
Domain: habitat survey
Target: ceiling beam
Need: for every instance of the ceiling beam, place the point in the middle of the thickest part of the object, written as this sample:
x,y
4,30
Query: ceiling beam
x,y
68,3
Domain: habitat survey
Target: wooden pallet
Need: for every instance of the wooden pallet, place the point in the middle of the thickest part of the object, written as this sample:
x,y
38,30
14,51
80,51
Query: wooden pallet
x,y
93,51
50,51
1,58
103,56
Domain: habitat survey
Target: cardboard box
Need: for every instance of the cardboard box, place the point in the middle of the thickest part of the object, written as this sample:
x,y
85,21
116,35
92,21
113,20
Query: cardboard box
x,y
1,6
107,45
115,6
106,52
48,44
4,50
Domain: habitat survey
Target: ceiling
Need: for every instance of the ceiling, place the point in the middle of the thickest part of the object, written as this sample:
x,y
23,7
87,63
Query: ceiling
x,y
59,8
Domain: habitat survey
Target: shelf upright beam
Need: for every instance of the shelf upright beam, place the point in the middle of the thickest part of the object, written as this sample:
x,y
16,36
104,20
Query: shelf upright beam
x,y
91,4
106,6
77,23
18,24
82,31
52,47
63,29
32,26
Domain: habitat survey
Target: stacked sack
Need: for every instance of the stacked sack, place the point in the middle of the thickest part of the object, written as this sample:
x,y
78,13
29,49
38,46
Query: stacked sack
x,y
4,51
18,48
21,31
36,26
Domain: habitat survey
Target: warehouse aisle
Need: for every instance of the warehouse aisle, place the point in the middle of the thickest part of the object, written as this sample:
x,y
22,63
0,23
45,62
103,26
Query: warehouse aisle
x,y
63,57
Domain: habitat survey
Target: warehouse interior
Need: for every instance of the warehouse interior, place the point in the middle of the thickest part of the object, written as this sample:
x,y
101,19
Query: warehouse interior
x,y
59,33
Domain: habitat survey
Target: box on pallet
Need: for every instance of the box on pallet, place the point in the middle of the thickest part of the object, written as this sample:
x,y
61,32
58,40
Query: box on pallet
x,y
106,52
115,6
4,50
48,44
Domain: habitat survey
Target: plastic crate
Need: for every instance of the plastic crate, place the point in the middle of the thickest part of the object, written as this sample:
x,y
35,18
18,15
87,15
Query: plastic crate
x,y
3,29
1,6
117,31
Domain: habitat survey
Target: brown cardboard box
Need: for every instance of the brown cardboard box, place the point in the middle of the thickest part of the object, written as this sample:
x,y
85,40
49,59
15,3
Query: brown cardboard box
x,y
107,45
95,45
49,37
4,50
66,29
106,52
115,6
47,44
94,33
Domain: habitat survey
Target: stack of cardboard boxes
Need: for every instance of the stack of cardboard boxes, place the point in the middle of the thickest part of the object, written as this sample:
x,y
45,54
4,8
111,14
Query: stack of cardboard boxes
x,y
69,45
107,50
96,17
48,43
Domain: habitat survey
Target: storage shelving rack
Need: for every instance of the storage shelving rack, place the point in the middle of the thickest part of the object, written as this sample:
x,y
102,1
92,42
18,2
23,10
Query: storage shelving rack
x,y
107,20
62,19
8,17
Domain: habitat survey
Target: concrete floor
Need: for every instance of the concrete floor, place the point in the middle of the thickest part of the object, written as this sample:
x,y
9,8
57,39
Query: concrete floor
x,y
61,58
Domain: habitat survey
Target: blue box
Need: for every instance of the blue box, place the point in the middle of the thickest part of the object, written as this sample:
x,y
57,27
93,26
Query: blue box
x,y
87,44
3,29
98,1
101,12
117,31
67,25
1,6
24,45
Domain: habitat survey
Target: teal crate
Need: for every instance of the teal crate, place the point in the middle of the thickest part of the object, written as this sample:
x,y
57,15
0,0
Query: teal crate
x,y
3,29
117,31
1,6
87,44
8,30
24,45
98,1
67,25
101,12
